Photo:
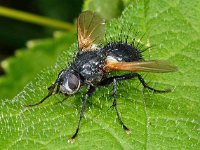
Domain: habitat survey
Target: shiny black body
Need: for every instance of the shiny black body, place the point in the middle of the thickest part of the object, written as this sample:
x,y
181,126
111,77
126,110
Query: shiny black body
x,y
89,65
92,64
87,69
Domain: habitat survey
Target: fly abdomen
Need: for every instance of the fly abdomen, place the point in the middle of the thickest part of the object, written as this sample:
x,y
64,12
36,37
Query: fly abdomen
x,y
122,52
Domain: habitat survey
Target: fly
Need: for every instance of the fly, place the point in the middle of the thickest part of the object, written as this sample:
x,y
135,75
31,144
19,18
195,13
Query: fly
x,y
92,65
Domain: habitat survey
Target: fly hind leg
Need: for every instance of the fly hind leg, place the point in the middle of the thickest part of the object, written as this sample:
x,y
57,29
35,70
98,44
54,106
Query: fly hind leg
x,y
126,77
145,85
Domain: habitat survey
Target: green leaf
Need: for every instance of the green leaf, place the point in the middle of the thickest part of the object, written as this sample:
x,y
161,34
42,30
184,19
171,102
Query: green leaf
x,y
157,121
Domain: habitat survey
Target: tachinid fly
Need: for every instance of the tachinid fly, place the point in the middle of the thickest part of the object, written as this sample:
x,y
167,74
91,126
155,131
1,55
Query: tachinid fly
x,y
93,63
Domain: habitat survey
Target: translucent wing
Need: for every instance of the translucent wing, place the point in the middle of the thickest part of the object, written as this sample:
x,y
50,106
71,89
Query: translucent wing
x,y
91,30
143,66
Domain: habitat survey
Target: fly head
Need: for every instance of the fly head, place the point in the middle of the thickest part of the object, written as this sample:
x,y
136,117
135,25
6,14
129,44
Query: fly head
x,y
69,82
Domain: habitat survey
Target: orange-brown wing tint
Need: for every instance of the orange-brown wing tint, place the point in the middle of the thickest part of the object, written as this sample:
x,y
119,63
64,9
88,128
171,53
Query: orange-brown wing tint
x,y
143,66
91,30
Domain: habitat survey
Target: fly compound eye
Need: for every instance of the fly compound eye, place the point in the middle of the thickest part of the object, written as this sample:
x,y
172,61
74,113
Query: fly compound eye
x,y
71,84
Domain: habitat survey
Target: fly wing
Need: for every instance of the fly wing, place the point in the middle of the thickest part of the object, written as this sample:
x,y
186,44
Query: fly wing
x,y
91,30
156,66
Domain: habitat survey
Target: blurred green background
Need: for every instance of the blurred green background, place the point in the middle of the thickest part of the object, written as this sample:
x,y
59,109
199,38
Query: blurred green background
x,y
15,33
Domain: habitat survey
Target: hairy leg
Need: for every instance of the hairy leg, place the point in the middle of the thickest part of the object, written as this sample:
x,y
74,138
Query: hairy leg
x,y
51,89
130,76
90,91
115,105
114,80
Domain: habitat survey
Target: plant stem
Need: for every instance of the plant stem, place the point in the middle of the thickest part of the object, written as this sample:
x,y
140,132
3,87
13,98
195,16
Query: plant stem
x,y
32,18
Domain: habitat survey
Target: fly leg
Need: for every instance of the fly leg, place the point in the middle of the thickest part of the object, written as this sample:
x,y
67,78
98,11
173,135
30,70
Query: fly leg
x,y
115,106
89,93
126,77
114,81
109,80
145,85
51,89
130,76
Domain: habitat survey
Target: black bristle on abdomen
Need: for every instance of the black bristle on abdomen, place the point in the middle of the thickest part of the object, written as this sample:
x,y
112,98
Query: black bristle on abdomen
x,y
122,51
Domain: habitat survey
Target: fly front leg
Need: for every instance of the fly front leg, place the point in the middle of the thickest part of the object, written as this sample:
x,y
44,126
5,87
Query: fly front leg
x,y
89,93
53,89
